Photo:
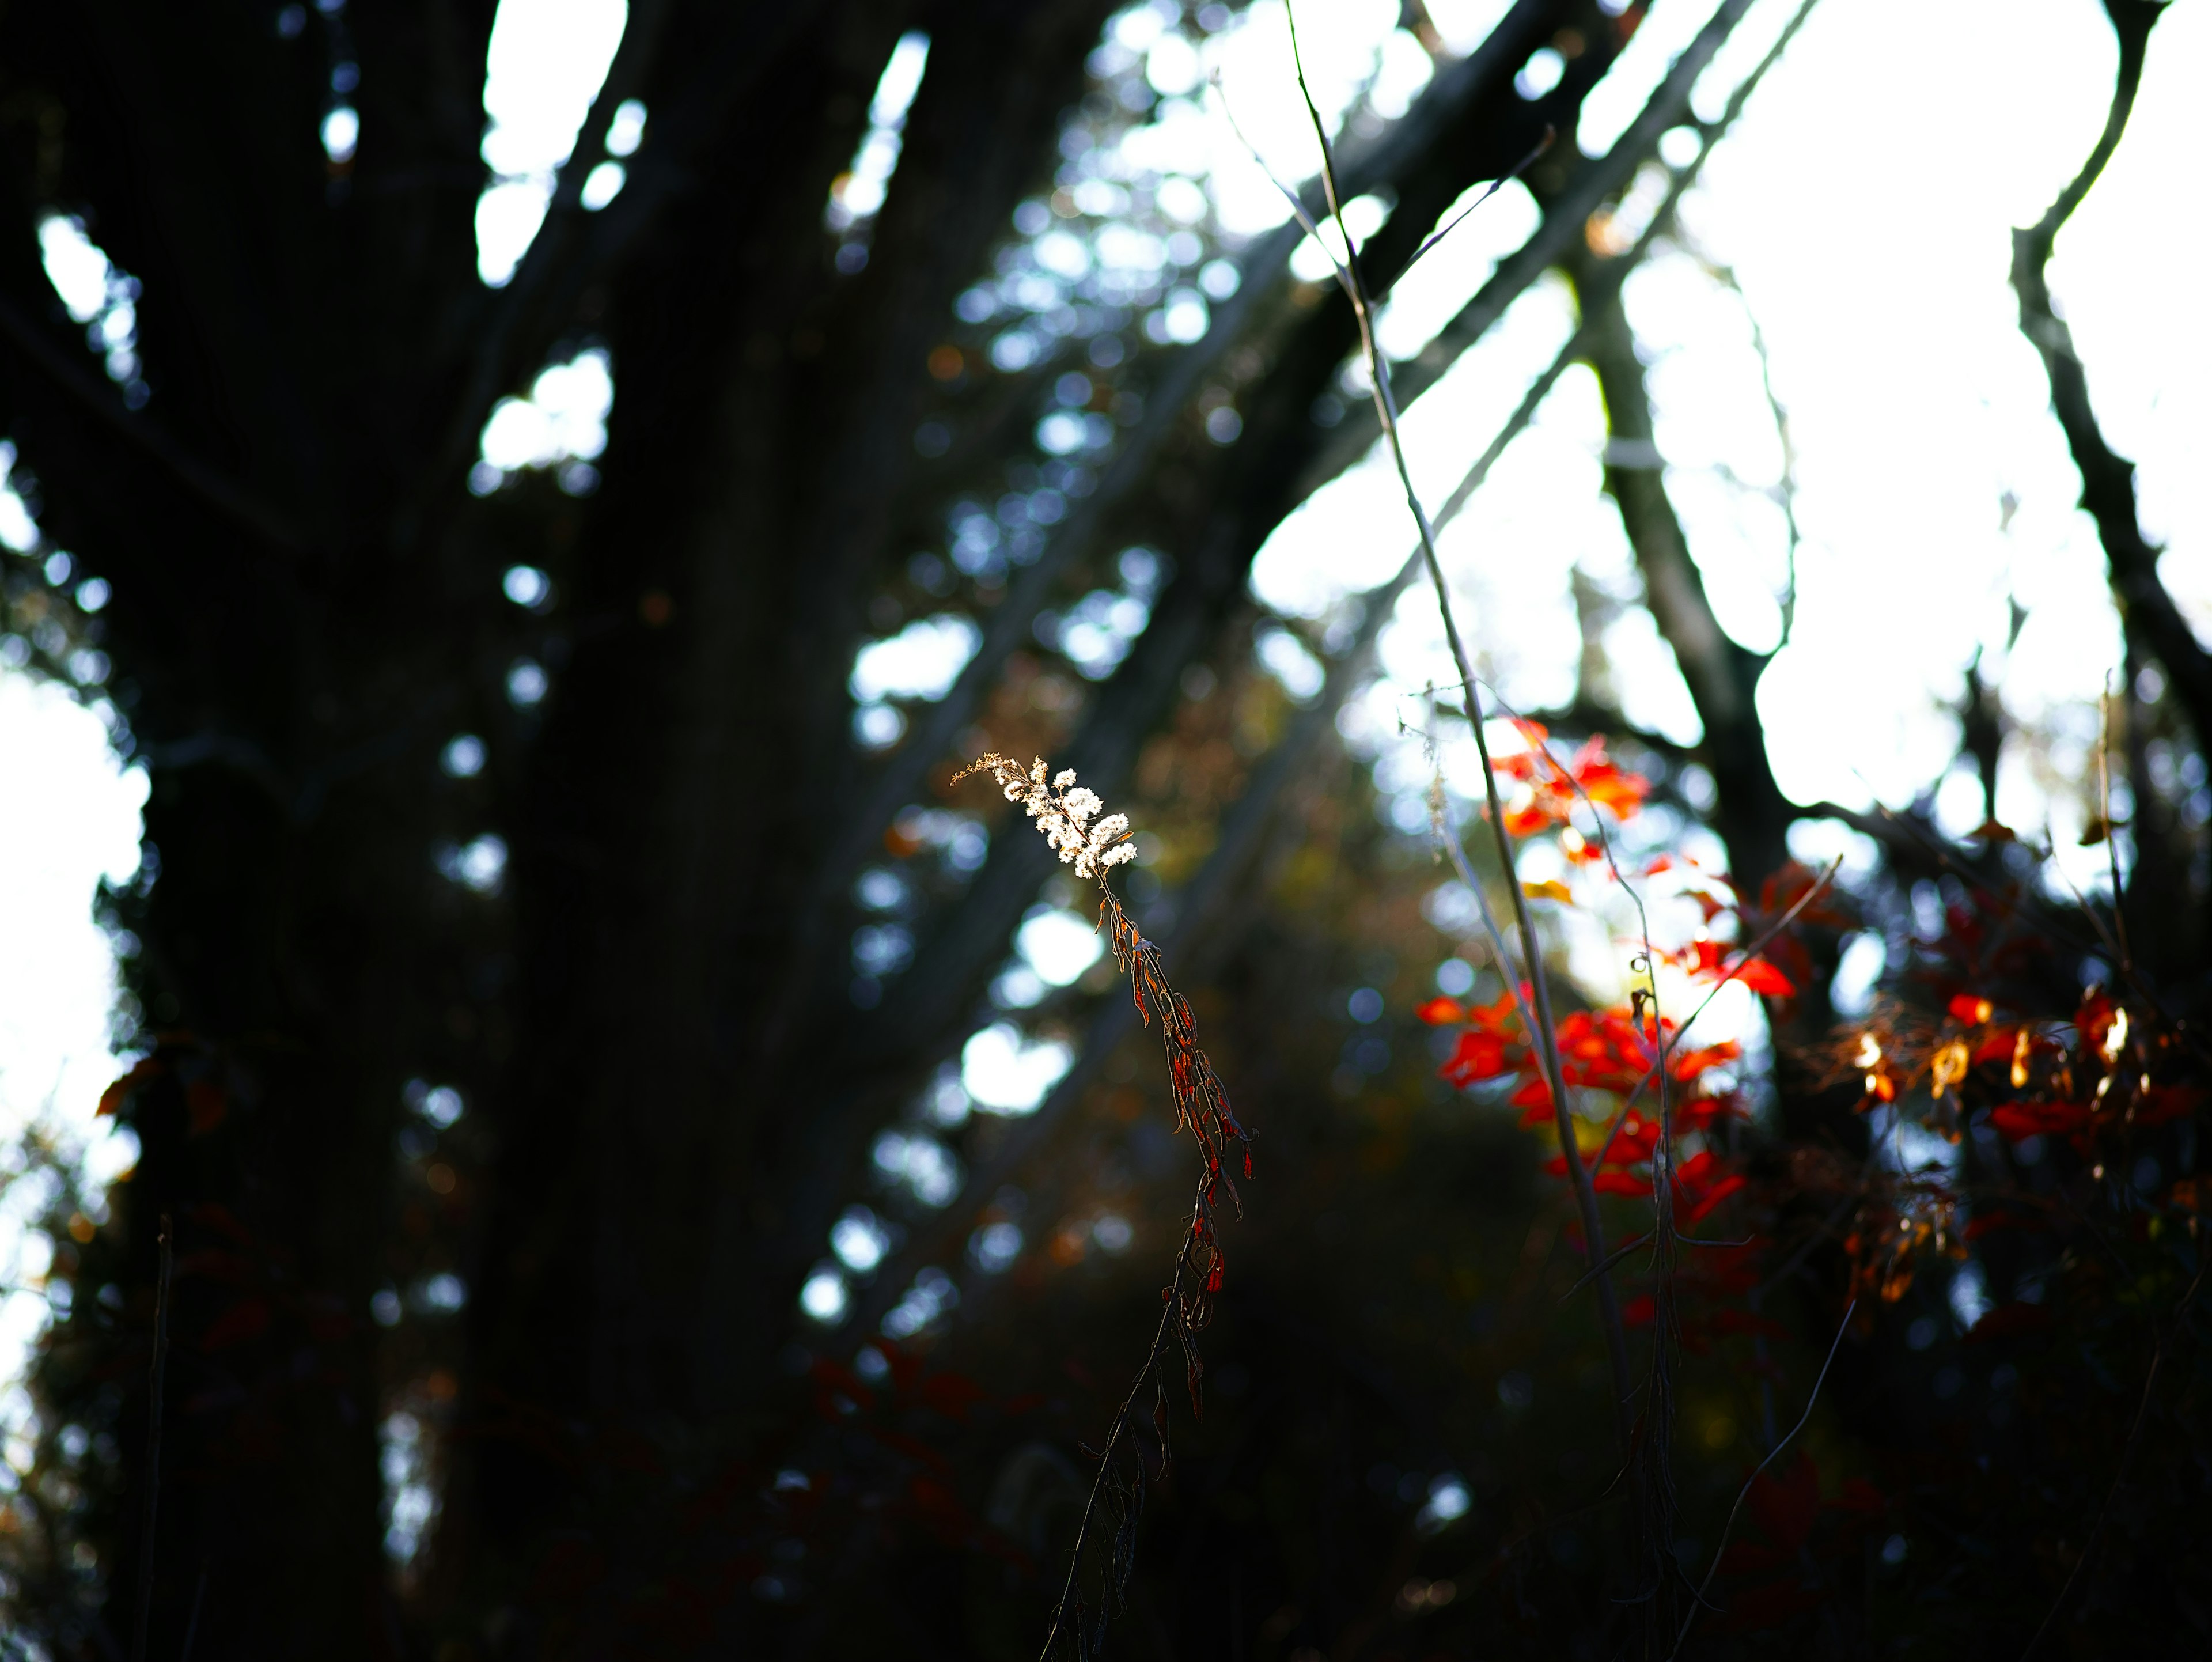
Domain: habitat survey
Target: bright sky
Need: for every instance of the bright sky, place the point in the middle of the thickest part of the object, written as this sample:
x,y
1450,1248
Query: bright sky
x,y
1865,202
1870,231
71,819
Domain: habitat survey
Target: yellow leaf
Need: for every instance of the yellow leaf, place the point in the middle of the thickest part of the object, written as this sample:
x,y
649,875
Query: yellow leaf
x,y
1549,889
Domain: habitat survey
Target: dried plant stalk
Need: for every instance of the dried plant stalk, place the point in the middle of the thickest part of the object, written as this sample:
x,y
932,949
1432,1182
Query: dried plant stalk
x,y
1072,818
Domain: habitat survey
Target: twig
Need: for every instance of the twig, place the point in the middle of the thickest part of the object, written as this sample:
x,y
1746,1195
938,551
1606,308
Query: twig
x,y
2127,1455
1459,219
153,1446
1813,1240
2105,808
1611,1259
204,480
1667,1046
192,1625
2108,492
1070,1602
1721,1547
1354,287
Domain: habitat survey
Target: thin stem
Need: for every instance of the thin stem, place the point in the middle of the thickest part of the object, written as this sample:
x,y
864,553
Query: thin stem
x,y
2127,1456
1546,1039
1767,938
2111,836
153,1446
1721,1546
1070,1591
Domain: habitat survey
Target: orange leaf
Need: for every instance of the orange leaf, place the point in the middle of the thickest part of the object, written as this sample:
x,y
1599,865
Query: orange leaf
x,y
205,1102
1439,1011
117,1094
1525,822
1764,978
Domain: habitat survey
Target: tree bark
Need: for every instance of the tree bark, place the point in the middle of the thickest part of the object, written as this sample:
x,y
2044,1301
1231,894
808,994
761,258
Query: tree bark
x,y
1752,815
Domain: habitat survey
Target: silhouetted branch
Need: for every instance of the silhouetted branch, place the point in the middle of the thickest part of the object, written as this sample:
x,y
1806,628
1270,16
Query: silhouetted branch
x,y
2127,1457
1720,1547
234,503
2107,479
1545,1036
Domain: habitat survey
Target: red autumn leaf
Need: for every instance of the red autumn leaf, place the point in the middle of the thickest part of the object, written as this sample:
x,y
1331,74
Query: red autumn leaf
x,y
1788,954
205,1104
1787,887
1605,783
1635,1143
1696,1169
2095,1019
1527,821
2018,1120
1996,1045
1479,1057
1763,978
117,1094
244,1320
951,1394
1971,1009
1439,1012
1858,1496
1619,1182
1787,1501
1989,1223
1700,1113
1534,1094
1639,1311
2162,1103
1713,1197
1501,1016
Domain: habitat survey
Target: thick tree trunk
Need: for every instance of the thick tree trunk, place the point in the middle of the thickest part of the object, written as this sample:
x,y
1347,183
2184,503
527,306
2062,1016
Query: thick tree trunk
x,y
669,1089
1751,816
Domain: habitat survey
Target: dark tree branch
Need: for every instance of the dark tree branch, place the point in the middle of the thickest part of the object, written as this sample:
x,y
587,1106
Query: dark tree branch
x,y
145,436
2108,479
1567,208
1753,817
1459,98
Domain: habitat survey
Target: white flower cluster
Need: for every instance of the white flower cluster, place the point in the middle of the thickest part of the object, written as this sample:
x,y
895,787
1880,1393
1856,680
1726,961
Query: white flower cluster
x,y
1064,811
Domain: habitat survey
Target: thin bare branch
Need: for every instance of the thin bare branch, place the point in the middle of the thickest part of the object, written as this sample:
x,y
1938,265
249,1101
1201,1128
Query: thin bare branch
x,y
1721,1547
1545,1037
2127,1457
